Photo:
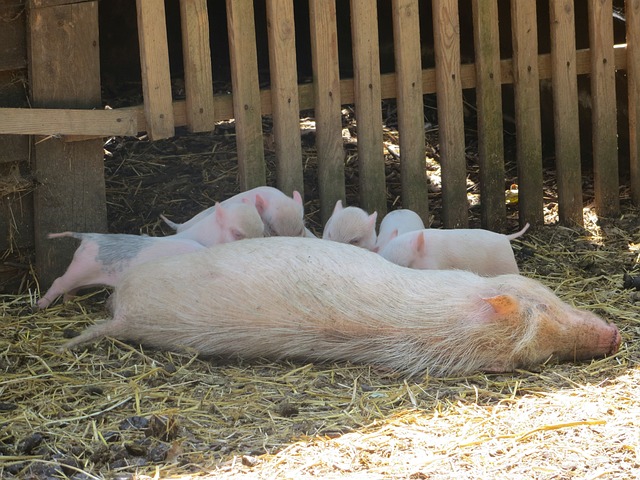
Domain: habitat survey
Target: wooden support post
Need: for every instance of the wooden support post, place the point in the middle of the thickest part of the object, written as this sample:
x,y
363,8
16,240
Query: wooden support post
x,y
406,35
154,61
64,71
489,104
565,111
246,93
284,95
455,207
527,109
603,115
198,79
326,93
368,101
632,10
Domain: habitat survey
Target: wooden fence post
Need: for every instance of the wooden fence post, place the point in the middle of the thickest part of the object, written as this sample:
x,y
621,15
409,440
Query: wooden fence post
x,y
632,10
368,100
64,71
284,95
565,111
527,108
326,82
446,32
246,93
406,34
489,104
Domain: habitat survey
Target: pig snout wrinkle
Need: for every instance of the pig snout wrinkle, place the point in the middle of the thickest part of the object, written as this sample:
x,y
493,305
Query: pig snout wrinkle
x,y
615,342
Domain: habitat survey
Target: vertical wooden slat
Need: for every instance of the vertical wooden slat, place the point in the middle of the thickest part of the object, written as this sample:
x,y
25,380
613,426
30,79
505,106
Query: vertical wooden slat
x,y
64,72
198,79
284,95
565,111
446,31
527,112
406,35
632,10
489,104
603,100
154,61
368,101
326,82
246,93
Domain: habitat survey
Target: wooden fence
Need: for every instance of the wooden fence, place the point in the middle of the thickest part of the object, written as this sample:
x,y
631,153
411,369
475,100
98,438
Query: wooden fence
x,y
160,114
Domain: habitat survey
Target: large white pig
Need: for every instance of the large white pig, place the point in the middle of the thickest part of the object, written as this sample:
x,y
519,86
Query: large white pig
x,y
327,301
351,225
396,223
281,214
476,250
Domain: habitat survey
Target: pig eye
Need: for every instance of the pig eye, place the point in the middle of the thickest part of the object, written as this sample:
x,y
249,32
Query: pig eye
x,y
543,307
355,241
238,235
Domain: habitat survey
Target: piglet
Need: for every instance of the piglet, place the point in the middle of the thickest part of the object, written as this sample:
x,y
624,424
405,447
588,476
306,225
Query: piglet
x,y
351,225
103,259
281,214
476,250
326,301
396,223
234,221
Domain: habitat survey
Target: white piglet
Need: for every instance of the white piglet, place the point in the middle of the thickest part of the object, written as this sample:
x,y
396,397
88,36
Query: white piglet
x,y
281,214
351,225
396,223
480,251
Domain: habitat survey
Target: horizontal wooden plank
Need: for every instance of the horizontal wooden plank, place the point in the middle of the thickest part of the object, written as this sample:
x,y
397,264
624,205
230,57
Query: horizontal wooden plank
x,y
223,105
50,121
54,3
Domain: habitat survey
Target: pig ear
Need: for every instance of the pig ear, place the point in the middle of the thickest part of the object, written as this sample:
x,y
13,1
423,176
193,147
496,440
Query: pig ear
x,y
372,220
261,204
338,207
418,243
503,305
297,197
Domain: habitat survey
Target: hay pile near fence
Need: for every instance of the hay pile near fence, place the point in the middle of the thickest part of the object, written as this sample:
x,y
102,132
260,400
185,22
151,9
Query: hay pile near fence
x,y
116,410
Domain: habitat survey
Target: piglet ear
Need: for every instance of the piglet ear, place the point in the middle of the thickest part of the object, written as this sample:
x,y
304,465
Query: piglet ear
x,y
418,243
338,207
503,305
297,197
261,204
372,220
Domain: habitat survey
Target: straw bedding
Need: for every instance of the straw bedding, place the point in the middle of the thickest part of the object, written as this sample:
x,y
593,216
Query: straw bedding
x,y
117,410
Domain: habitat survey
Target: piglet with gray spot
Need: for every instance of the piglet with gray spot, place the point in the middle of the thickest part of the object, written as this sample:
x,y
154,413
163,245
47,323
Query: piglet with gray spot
x,y
476,250
281,214
351,225
103,258
326,301
396,223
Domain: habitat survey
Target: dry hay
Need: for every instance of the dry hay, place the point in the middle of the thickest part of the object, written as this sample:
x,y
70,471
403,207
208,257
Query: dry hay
x,y
117,410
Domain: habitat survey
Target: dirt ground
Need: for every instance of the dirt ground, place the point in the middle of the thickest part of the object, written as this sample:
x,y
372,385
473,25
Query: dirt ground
x,y
115,410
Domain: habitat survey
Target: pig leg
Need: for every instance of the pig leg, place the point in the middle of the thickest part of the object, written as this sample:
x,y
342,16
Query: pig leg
x,y
116,326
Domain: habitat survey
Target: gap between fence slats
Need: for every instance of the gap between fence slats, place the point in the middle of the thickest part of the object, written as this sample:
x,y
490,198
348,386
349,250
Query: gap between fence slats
x,y
198,79
565,111
455,209
154,62
326,99
406,35
247,110
284,95
489,114
527,112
